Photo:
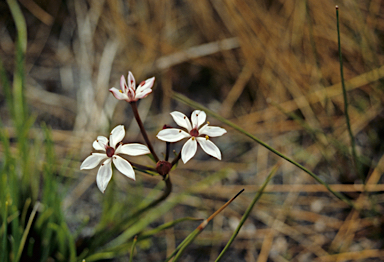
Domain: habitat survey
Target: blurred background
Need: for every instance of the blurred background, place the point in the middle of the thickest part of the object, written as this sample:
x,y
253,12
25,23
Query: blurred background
x,y
272,67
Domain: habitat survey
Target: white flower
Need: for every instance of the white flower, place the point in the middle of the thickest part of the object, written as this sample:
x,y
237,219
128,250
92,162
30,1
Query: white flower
x,y
129,92
111,151
195,133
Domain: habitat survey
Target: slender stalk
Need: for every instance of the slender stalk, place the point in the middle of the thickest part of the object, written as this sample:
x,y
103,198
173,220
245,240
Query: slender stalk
x,y
167,149
247,212
143,132
142,167
133,249
200,228
177,158
353,145
190,102
26,231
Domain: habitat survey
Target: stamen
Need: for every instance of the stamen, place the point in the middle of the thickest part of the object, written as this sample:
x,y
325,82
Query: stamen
x,y
193,138
207,137
208,123
120,91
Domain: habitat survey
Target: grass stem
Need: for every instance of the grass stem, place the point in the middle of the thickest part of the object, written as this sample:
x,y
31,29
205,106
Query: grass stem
x,y
353,145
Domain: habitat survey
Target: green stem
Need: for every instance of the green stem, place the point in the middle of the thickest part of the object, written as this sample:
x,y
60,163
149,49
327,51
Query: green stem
x,y
353,145
193,104
133,249
143,131
178,157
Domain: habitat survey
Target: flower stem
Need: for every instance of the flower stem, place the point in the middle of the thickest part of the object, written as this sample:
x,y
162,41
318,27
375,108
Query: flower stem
x,y
167,148
178,157
142,129
142,167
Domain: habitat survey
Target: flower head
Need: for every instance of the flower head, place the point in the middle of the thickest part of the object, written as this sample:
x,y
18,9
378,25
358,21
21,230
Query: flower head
x,y
111,149
129,92
197,134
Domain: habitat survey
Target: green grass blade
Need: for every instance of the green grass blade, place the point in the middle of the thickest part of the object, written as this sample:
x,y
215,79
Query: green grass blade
x,y
26,231
19,74
247,212
132,249
353,145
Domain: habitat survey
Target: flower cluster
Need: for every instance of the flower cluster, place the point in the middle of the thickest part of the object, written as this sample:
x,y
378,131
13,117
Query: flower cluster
x,y
196,130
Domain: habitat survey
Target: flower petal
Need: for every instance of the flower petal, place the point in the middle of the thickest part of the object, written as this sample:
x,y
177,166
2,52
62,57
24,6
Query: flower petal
x,y
172,135
188,150
100,143
131,81
182,120
142,93
117,134
133,149
198,118
209,147
124,166
104,175
118,94
145,85
212,131
123,85
92,161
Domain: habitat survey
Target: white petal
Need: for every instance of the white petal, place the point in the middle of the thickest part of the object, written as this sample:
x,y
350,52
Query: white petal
x,y
100,143
198,118
212,131
188,150
133,150
123,85
93,161
142,94
209,147
124,166
145,85
172,135
131,81
182,120
117,134
118,94
104,175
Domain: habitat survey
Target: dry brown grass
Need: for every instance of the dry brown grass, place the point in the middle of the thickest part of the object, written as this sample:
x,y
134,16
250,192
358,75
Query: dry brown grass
x,y
239,58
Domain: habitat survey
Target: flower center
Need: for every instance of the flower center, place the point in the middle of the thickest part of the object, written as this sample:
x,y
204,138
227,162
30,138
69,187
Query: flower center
x,y
110,151
194,132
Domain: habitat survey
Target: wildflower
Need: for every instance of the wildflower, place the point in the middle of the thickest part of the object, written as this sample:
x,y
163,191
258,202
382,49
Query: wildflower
x,y
129,92
111,149
195,133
